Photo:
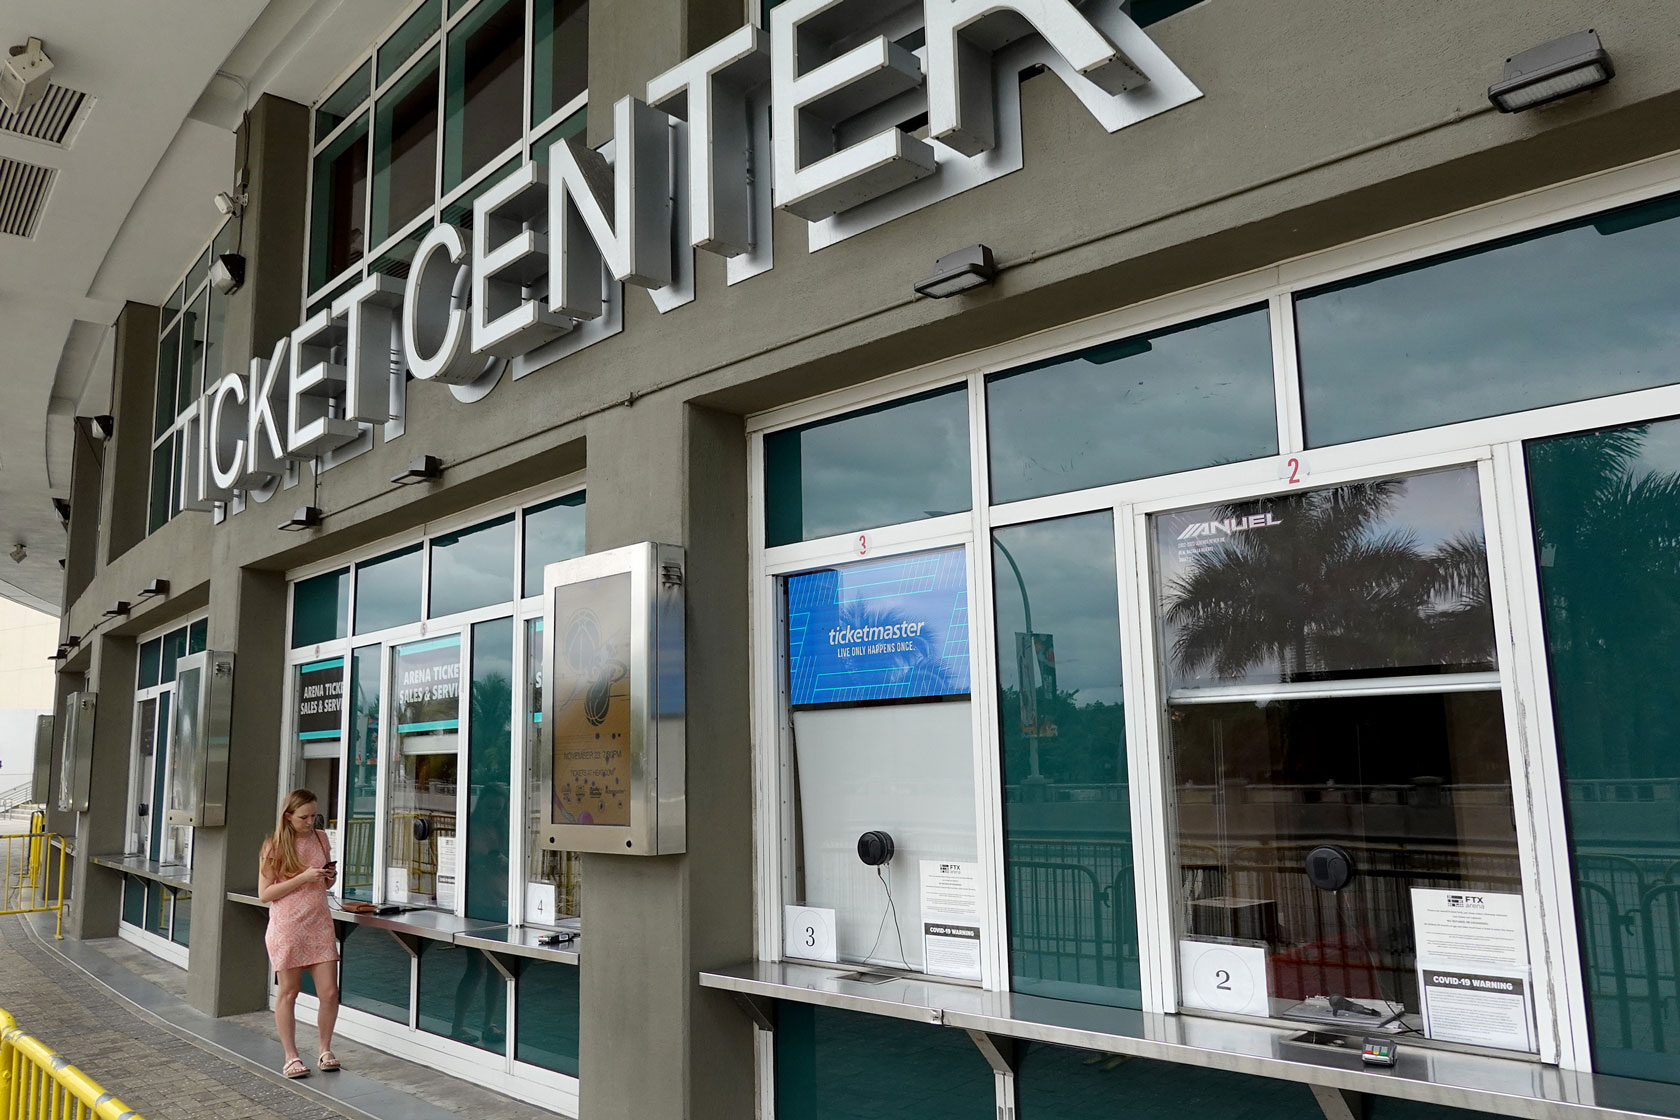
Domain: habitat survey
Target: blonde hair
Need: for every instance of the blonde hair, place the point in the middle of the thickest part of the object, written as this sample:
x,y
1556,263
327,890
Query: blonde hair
x,y
279,851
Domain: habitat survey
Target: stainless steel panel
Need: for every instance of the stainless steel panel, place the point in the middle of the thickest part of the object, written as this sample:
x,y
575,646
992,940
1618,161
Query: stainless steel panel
x,y
75,769
200,726
42,776
655,819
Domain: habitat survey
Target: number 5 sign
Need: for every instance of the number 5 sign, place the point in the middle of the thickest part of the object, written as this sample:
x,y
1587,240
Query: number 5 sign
x,y
808,933
1223,977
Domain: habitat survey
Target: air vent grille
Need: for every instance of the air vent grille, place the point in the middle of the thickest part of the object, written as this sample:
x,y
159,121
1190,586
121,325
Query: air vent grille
x,y
23,196
48,119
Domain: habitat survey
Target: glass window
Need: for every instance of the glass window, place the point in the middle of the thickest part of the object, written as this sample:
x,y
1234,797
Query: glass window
x,y
134,899
462,996
375,974
158,765
194,322
1395,773
318,724
405,40
896,462
162,460
553,878
1191,396
388,590
483,110
878,664
1606,523
422,858
490,771
405,149
177,299
571,126
344,100
1067,807
362,796
559,55
199,272
832,1063
168,371
180,927
459,213
547,1014
215,330
145,717
174,648
198,635
321,608
553,532
1565,314
472,568
151,654
339,198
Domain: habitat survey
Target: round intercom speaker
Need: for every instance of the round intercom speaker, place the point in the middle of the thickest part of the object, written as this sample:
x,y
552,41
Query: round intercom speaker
x,y
875,847
1329,867
422,829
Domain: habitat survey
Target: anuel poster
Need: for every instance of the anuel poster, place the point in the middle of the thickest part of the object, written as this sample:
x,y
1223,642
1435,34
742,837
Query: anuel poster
x,y
592,702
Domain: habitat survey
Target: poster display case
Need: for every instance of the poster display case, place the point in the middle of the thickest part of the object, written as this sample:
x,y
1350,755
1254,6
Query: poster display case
x,y
198,755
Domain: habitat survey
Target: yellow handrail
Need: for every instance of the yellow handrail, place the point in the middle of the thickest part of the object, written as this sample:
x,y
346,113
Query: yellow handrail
x,y
25,886
38,1084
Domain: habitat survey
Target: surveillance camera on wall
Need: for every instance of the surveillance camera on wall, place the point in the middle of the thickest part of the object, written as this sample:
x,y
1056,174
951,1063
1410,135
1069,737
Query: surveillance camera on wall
x,y
227,273
230,204
25,73
18,553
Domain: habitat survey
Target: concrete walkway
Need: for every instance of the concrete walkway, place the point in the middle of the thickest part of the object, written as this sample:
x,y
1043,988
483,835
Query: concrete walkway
x,y
117,1013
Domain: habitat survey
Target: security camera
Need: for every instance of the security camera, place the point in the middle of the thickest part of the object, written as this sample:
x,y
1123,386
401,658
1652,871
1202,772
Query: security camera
x,y
25,73
230,204
18,553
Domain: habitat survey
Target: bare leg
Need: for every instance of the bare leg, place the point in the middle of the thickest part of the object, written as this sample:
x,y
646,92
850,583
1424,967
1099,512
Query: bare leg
x,y
325,976
285,1007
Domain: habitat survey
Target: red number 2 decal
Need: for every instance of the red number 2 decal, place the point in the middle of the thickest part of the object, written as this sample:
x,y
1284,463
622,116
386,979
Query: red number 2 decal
x,y
1294,471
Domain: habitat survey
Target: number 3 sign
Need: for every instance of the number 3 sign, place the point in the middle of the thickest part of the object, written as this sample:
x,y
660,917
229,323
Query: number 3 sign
x,y
1223,977
808,933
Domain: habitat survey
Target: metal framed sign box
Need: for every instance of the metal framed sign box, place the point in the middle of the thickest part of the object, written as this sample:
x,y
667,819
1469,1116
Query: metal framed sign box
x,y
613,702
201,726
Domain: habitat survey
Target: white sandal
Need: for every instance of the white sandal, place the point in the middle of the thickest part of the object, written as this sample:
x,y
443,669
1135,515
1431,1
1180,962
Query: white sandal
x,y
295,1069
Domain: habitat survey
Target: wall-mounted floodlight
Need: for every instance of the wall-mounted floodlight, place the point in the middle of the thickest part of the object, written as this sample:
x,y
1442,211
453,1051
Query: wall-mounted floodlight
x,y
155,587
117,609
307,517
957,272
1550,71
227,274
427,468
106,423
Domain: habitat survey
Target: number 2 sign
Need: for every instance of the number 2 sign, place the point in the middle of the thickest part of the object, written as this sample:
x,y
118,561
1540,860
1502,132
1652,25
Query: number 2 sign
x,y
1219,976
808,933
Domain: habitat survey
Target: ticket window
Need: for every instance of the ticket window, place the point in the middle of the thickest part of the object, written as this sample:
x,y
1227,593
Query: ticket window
x,y
882,742
1345,833
318,724
553,878
422,856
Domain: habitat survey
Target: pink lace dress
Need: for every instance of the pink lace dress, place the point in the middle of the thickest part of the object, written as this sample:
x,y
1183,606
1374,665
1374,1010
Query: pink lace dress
x,y
300,927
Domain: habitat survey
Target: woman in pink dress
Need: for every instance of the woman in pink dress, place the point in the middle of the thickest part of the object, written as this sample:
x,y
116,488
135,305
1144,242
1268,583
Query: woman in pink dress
x,y
293,875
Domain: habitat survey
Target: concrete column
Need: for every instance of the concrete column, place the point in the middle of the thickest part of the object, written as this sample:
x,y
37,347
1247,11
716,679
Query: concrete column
x,y
87,466
97,891
654,1046
128,456
228,968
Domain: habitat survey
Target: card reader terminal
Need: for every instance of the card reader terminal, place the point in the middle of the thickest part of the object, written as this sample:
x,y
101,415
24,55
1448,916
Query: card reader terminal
x,y
1379,1052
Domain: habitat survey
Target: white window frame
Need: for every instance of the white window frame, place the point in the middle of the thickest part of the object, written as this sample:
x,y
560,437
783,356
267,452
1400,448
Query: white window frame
x,y
1494,444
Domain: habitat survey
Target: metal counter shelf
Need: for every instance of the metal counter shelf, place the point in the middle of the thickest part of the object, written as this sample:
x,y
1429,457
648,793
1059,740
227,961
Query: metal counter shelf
x,y
996,1021
428,925
521,941
177,876
249,898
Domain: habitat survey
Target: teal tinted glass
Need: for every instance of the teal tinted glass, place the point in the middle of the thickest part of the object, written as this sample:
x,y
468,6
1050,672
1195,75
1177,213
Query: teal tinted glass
x,y
553,532
559,55
472,568
836,1065
215,332
362,794
162,459
1607,530
405,40
198,635
151,654
1146,12
388,590
157,910
405,126
1067,811
168,371
193,327
1576,311
375,973
343,101
180,930
902,461
547,1014
571,126
462,996
339,200
134,900
174,648
460,211
490,771
198,273
396,260
1191,396
159,763
483,100
321,608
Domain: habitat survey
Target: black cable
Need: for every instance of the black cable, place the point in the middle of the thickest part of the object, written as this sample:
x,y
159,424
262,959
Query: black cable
x,y
891,908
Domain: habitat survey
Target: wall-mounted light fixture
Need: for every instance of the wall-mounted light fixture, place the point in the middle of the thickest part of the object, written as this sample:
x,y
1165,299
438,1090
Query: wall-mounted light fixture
x,y
62,505
427,468
307,517
106,424
957,272
156,587
18,552
60,653
1552,70
117,609
227,275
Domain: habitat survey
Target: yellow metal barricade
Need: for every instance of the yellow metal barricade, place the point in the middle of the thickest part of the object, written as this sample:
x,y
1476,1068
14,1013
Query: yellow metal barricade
x,y
38,1084
25,885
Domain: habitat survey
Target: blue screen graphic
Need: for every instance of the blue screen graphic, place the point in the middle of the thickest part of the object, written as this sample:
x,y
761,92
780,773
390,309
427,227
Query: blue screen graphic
x,y
892,629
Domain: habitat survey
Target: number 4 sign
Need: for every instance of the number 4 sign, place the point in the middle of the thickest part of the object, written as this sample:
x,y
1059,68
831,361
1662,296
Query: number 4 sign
x,y
1220,976
808,933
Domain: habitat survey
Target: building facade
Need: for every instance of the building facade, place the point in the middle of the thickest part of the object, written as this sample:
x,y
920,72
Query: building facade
x,y
1177,514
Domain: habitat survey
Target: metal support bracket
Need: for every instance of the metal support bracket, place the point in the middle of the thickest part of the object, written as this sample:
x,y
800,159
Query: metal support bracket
x,y
409,942
504,965
999,1051
761,1011
1339,1104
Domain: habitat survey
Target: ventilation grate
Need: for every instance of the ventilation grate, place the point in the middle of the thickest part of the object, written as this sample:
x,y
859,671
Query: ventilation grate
x,y
23,196
48,119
